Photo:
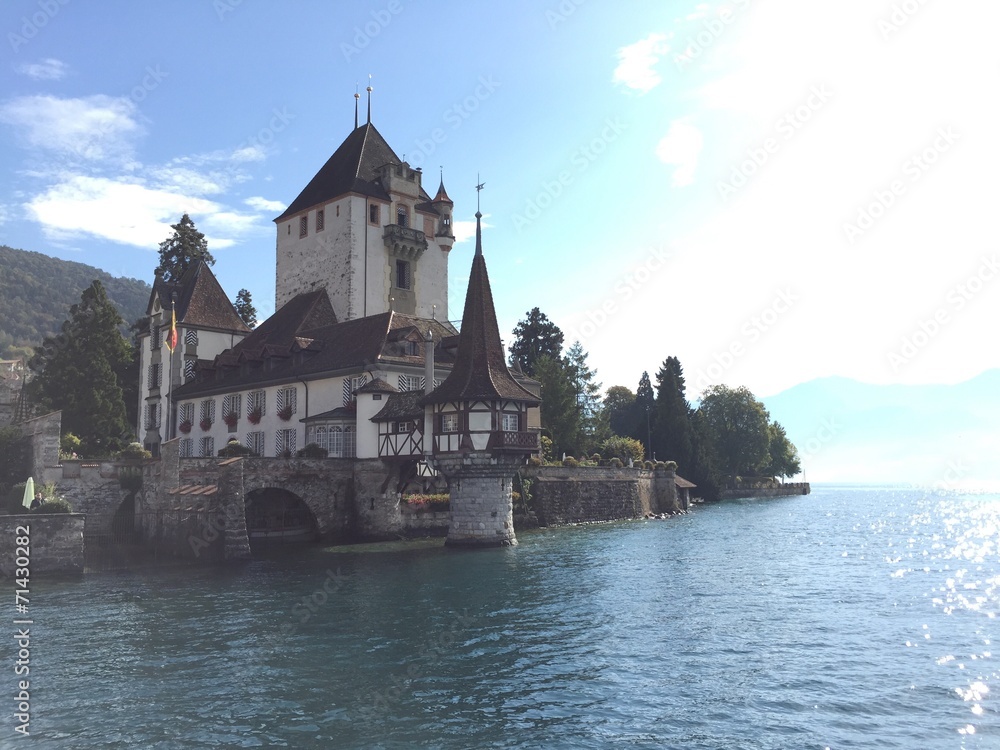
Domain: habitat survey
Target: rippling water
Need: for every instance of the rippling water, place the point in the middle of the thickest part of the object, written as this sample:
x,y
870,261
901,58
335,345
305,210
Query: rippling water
x,y
851,618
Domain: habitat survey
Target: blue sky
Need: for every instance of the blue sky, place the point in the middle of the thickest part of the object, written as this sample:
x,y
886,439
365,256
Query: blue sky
x,y
772,191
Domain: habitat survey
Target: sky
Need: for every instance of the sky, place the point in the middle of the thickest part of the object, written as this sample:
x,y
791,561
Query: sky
x,y
771,191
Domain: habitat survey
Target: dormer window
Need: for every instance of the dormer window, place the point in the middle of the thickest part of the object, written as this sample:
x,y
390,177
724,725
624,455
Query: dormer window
x,y
401,216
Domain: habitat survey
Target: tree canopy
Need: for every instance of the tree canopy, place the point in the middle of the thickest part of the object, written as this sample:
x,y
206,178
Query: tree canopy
x,y
534,337
184,246
560,413
80,372
245,309
737,424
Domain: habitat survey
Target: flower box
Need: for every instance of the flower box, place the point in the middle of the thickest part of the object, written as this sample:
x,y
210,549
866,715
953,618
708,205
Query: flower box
x,y
205,424
231,419
185,426
285,413
254,415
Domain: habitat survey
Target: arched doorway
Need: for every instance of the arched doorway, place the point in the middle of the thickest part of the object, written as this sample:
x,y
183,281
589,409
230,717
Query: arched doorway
x,y
277,516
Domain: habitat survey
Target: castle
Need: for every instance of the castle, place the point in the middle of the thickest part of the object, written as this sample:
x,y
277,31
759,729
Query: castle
x,y
359,358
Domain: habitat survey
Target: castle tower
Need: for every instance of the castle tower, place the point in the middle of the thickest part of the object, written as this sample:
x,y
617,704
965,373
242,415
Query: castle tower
x,y
365,230
480,423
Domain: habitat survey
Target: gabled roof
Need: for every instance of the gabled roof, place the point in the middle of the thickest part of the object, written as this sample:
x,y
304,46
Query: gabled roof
x,y
377,385
199,300
353,168
480,371
401,406
683,483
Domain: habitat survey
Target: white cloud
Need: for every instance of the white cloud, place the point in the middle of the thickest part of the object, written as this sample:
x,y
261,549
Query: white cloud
x,y
466,230
94,128
681,147
636,63
185,180
263,204
49,69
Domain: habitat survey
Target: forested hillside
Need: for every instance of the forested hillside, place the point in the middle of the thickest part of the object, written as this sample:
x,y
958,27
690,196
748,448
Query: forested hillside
x,y
36,292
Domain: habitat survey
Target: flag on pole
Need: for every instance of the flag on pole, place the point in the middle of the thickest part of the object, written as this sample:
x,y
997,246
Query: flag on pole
x,y
172,336
29,493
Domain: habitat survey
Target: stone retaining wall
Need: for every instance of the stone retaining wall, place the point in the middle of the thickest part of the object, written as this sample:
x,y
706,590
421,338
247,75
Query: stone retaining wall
x,y
55,543
788,490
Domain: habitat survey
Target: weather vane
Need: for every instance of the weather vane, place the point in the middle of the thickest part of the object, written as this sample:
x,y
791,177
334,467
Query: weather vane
x,y
479,187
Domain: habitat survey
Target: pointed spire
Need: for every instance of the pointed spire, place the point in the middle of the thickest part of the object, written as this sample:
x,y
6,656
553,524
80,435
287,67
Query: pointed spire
x,y
442,194
357,98
369,90
479,216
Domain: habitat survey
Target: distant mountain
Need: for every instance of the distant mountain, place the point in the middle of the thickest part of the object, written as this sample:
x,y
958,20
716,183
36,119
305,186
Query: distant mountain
x,y
36,292
941,435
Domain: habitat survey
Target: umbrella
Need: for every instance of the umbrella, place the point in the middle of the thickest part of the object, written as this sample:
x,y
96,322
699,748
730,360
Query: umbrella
x,y
29,493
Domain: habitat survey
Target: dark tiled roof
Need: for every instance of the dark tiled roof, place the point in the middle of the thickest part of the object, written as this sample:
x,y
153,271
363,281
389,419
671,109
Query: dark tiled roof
x,y
683,483
480,371
200,300
442,194
352,345
400,406
377,385
353,168
341,412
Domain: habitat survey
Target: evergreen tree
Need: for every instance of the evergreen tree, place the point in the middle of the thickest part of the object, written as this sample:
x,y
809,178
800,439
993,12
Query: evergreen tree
x,y
534,337
181,249
593,425
672,437
643,418
560,413
77,372
619,404
245,309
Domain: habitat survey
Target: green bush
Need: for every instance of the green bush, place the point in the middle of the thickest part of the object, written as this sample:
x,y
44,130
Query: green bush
x,y
670,465
69,446
534,461
616,462
132,450
312,451
54,505
596,458
571,462
235,448
623,447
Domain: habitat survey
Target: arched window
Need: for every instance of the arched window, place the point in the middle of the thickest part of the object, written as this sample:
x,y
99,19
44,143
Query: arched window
x,y
321,437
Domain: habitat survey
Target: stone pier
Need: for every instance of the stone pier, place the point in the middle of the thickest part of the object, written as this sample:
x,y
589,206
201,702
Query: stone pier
x,y
482,511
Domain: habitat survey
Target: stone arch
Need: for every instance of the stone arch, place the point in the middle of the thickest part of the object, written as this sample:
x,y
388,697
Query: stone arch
x,y
276,515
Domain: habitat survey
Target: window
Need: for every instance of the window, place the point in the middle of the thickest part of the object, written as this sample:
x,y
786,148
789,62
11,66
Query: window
x,y
284,442
208,410
153,376
206,447
410,382
191,337
154,338
335,442
511,422
403,274
232,406
449,423
351,385
152,416
303,226
350,442
373,217
320,220
287,401
446,222
320,436
404,426
187,413
189,365
257,404
401,216
186,448
255,442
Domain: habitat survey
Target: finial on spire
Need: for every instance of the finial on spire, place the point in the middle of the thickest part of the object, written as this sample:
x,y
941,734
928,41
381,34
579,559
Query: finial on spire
x,y
479,216
357,98
369,90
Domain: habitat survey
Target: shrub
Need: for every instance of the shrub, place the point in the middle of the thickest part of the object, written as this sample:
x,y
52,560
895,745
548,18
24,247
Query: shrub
x,y
670,465
133,450
596,458
69,446
571,462
534,461
648,465
312,451
623,447
546,443
659,465
54,505
235,448
616,462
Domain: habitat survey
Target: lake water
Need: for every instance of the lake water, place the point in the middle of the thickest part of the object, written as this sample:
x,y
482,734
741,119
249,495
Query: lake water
x,y
850,618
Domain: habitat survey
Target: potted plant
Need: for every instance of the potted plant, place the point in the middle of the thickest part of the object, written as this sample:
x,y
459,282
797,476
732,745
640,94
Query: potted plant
x,y
254,415
231,418
205,424
185,426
